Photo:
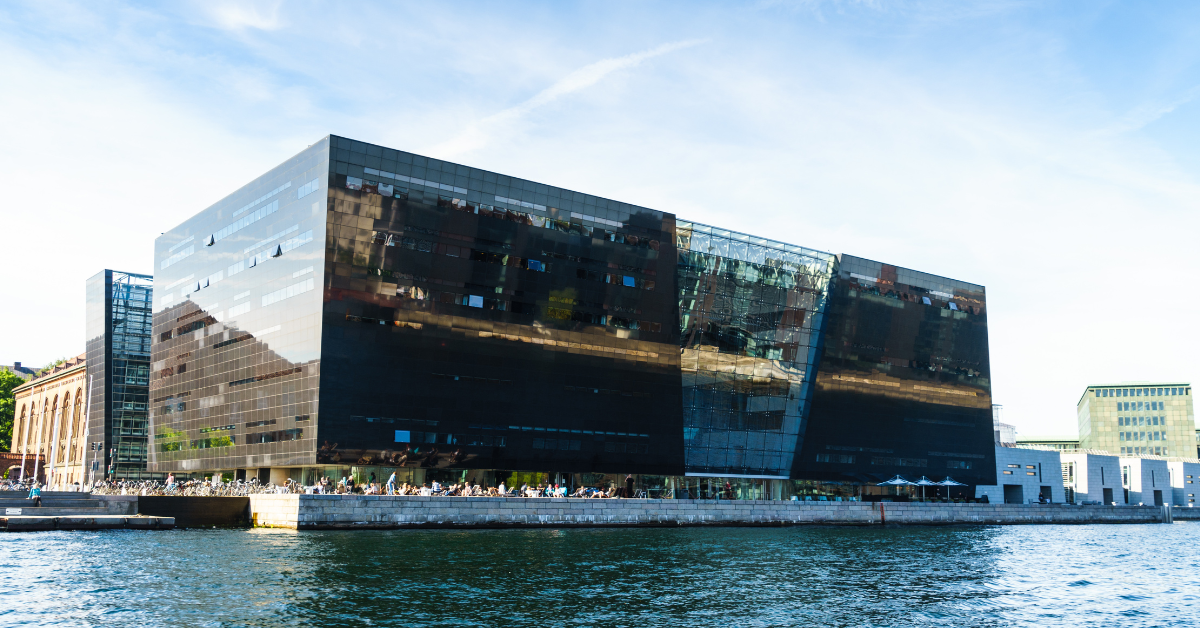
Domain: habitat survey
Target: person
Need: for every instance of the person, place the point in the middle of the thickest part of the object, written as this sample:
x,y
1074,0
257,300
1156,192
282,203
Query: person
x,y
1041,498
170,480
372,478
324,485
425,489
629,485
437,487
35,494
391,484
502,489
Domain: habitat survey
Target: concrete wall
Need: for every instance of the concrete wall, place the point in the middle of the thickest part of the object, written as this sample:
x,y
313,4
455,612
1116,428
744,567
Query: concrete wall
x,y
1185,482
313,512
1145,477
192,512
1093,474
1013,466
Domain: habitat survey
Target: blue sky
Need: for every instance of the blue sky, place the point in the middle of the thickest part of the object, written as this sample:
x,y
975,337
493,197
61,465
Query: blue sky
x,y
1046,150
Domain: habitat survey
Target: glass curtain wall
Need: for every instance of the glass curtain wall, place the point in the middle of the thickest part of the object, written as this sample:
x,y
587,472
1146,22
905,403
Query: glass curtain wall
x,y
118,353
750,318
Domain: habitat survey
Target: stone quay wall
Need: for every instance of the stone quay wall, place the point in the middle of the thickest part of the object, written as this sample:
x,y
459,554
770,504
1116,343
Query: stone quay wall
x,y
317,512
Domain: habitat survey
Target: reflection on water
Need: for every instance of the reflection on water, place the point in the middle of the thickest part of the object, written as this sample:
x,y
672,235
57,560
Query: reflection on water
x,y
1129,575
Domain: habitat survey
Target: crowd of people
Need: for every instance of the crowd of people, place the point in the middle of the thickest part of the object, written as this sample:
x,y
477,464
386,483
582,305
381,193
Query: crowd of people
x,y
327,486
214,487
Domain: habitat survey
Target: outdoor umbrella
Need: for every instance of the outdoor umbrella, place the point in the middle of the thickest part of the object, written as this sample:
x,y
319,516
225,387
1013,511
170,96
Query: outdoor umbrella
x,y
897,481
923,482
948,482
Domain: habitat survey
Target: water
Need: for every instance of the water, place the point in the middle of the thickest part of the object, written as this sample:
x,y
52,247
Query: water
x,y
1114,575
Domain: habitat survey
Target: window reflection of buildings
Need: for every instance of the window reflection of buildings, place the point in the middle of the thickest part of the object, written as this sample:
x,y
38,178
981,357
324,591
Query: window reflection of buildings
x,y
749,308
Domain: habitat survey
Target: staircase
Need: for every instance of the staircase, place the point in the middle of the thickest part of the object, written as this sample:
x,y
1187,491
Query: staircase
x,y
54,504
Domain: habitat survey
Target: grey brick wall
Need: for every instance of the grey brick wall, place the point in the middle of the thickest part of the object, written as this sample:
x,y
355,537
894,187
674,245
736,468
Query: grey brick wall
x,y
344,511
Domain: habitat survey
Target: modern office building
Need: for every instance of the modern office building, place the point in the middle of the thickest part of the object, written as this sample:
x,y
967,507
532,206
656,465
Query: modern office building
x,y
118,324
361,308
1132,418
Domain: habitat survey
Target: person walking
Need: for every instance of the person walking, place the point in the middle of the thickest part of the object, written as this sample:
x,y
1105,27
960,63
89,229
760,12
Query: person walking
x,y
629,485
391,484
35,494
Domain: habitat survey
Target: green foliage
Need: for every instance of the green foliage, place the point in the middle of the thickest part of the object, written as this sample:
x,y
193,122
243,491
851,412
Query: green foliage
x,y
46,369
170,440
8,406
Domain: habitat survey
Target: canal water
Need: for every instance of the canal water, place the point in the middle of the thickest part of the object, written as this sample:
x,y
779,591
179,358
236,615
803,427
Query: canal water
x,y
1096,575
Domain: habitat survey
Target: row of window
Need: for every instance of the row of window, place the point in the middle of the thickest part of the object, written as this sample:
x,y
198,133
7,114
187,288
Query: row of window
x,y
228,440
308,188
242,223
1127,421
262,198
269,239
178,256
488,303
1130,436
904,296
1140,392
451,250
1139,406
355,183
501,213
615,352
1156,451
295,289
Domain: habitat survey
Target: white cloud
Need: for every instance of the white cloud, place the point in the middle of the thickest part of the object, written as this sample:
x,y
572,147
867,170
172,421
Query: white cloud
x,y
237,16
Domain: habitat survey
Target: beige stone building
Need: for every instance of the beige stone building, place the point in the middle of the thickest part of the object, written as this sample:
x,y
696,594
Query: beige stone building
x,y
1138,418
51,413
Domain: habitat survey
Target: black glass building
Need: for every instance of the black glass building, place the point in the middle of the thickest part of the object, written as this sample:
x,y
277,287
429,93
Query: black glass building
x,y
361,308
118,325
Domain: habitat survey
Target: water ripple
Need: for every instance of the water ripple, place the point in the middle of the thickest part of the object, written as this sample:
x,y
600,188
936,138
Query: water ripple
x,y
1074,576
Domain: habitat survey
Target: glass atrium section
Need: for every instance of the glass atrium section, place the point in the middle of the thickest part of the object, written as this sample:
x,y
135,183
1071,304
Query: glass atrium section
x,y
237,320
903,384
118,325
750,317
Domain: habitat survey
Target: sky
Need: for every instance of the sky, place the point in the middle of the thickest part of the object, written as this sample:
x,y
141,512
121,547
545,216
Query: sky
x,y
1047,150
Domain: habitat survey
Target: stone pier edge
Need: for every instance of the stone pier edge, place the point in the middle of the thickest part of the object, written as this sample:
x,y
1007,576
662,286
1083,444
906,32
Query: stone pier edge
x,y
324,512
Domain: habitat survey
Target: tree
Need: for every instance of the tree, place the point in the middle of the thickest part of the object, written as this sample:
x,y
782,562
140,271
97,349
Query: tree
x,y
49,367
8,406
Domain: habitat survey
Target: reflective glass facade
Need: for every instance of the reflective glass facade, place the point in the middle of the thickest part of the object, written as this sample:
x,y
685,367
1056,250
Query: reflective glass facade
x,y
485,321
903,381
237,320
750,314
118,326
367,307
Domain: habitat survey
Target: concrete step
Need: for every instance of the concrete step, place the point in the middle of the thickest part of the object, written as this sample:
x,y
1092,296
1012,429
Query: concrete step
x,y
53,511
85,522
51,501
45,494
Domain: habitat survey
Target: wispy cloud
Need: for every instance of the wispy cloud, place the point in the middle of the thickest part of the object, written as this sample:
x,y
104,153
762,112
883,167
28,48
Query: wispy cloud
x,y
1148,112
237,16
479,133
